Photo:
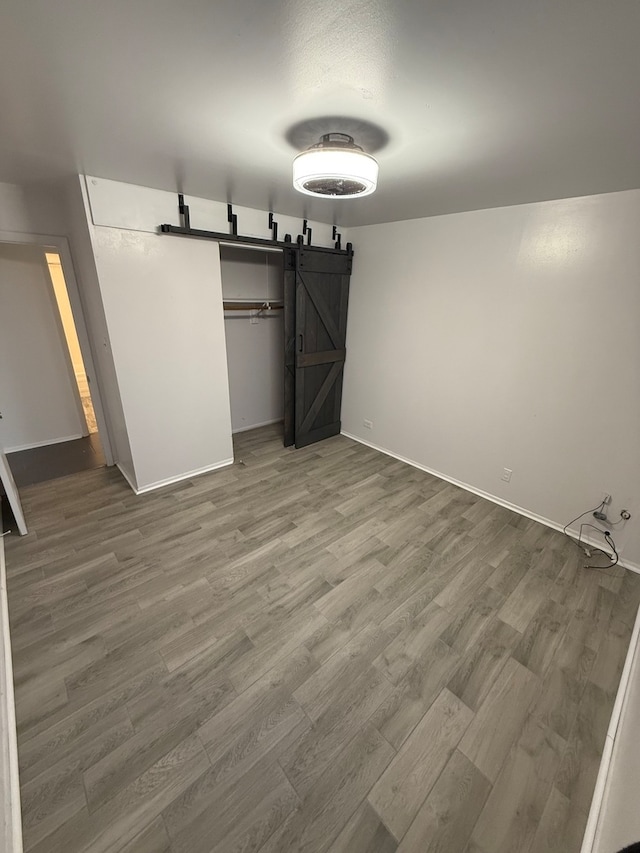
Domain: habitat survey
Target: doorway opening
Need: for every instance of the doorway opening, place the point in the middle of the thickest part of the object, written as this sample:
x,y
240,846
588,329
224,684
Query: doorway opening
x,y
49,427
61,294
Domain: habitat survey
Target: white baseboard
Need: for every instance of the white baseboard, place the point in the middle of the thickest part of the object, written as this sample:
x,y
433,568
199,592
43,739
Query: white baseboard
x,y
43,443
159,484
548,522
256,426
10,812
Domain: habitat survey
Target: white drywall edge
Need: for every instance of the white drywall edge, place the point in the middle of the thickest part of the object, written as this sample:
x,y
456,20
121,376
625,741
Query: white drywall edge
x,y
10,815
591,832
626,564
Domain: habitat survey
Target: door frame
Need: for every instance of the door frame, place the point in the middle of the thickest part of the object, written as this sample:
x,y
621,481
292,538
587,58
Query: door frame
x,y
61,246
65,344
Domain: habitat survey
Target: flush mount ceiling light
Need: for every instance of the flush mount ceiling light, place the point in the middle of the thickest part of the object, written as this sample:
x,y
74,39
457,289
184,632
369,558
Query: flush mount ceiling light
x,y
335,168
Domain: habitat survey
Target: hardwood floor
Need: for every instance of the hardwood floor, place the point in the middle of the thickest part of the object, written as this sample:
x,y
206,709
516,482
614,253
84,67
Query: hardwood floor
x,y
318,650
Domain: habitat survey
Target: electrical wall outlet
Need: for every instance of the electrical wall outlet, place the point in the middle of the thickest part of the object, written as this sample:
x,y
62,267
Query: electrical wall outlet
x,y
367,423
506,474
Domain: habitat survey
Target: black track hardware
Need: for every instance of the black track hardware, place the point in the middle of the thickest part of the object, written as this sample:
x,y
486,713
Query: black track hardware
x,y
185,230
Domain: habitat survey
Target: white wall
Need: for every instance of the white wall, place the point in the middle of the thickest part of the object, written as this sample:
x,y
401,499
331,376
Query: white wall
x,y
14,213
255,350
118,205
37,396
35,209
163,304
506,338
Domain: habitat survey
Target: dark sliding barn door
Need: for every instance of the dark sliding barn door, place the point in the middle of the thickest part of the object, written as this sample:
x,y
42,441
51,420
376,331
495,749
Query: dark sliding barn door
x,y
315,348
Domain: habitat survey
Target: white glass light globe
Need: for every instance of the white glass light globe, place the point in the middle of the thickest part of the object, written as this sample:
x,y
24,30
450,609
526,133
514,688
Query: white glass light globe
x,y
339,172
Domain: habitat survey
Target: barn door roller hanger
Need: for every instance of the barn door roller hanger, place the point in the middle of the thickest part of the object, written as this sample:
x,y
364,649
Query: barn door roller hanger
x,y
185,230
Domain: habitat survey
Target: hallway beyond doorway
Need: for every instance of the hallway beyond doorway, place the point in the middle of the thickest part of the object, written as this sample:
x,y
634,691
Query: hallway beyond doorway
x,y
38,464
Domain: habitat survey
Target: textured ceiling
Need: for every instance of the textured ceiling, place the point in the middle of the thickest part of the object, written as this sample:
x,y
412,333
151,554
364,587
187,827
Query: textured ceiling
x,y
469,104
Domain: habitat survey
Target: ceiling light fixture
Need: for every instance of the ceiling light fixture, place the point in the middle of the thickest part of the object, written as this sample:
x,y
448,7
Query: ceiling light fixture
x,y
335,168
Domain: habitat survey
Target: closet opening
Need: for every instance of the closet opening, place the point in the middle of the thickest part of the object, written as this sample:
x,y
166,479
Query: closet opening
x,y
252,293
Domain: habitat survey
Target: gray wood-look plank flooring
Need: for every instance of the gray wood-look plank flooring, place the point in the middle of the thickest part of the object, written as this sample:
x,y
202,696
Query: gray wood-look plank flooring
x,y
318,650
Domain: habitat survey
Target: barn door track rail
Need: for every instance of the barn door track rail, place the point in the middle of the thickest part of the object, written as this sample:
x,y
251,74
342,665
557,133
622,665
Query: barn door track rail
x,y
185,230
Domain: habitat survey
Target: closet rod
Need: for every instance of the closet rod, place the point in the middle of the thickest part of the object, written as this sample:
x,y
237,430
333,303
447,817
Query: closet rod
x,y
236,315
250,306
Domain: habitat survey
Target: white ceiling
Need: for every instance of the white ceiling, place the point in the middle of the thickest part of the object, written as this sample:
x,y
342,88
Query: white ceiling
x,y
484,102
